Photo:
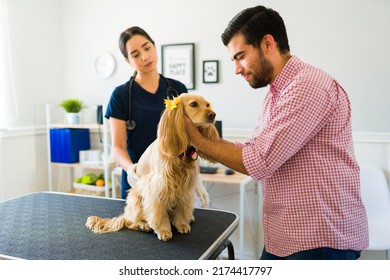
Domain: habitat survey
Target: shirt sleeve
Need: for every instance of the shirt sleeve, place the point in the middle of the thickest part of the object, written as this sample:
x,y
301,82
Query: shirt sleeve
x,y
297,116
118,105
179,86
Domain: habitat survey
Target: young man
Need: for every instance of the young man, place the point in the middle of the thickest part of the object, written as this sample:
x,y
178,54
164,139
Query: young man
x,y
302,149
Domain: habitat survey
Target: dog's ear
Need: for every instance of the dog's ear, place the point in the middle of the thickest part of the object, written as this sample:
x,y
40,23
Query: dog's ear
x,y
209,132
173,139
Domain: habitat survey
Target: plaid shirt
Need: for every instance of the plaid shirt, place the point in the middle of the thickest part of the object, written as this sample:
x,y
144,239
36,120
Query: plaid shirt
x,y
302,152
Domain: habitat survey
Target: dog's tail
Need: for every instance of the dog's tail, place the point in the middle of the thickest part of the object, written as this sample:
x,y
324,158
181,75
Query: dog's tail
x,y
132,218
100,225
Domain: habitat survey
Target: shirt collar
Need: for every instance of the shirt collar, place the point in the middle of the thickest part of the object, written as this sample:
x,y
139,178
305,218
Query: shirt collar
x,y
284,77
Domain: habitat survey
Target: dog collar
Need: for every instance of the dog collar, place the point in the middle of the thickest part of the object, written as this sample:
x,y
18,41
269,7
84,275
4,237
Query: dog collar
x,y
191,152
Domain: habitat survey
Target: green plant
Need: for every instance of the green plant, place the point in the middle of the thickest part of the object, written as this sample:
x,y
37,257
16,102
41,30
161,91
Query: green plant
x,y
72,105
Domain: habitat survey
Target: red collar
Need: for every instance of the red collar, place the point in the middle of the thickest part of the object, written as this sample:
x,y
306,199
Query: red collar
x,y
191,152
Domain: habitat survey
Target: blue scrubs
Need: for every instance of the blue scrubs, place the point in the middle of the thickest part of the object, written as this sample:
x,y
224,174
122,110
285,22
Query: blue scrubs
x,y
146,110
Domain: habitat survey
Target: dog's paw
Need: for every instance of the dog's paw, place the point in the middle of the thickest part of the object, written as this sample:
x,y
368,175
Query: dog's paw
x,y
145,227
139,225
184,228
164,235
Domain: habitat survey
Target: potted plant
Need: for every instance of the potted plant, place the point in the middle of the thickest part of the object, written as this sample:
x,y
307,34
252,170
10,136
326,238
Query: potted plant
x,y
72,108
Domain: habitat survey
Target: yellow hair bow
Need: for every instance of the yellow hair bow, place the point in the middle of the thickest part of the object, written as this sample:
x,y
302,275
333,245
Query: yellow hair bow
x,y
171,104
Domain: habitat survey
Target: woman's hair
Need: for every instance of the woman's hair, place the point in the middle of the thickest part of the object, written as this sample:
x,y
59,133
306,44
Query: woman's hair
x,y
256,22
126,36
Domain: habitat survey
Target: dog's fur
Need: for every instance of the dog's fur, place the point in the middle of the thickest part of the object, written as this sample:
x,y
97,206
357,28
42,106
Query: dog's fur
x,y
168,178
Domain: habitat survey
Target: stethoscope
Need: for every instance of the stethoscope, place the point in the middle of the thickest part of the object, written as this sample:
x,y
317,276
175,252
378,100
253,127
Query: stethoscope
x,y
171,92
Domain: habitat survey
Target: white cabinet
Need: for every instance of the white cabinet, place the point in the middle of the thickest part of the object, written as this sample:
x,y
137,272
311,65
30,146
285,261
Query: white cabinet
x,y
55,118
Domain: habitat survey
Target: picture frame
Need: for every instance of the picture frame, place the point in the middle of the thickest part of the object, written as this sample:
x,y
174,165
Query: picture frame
x,y
210,71
178,62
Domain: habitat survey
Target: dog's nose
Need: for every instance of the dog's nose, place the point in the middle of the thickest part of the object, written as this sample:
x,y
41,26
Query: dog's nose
x,y
211,116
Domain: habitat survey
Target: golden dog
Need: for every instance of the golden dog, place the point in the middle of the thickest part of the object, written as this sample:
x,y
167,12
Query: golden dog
x,y
168,174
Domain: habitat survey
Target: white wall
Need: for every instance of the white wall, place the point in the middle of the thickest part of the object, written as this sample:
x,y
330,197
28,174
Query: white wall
x,y
23,162
54,43
35,28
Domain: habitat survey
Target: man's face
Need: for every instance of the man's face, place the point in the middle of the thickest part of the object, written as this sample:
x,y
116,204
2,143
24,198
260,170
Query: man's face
x,y
250,62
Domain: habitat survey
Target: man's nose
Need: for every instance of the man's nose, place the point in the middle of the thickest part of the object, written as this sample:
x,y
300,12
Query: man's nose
x,y
238,68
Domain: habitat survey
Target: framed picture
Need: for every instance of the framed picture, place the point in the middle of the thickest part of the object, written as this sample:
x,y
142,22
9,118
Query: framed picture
x,y
210,71
178,62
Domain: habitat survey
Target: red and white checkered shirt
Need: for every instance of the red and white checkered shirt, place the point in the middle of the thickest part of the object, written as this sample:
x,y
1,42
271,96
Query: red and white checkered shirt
x,y
302,152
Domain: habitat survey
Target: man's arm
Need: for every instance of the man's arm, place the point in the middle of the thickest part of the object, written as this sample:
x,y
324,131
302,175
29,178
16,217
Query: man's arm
x,y
222,151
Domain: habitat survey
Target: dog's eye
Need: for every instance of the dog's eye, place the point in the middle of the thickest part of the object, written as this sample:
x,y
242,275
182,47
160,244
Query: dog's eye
x,y
194,104
208,105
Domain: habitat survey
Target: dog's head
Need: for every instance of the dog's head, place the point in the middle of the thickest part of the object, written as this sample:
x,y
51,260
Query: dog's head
x,y
171,132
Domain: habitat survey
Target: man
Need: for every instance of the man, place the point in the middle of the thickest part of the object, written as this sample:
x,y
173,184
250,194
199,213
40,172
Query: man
x,y
302,149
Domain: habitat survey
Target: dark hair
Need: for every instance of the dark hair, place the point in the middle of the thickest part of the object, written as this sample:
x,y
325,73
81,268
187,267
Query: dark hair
x,y
254,23
126,36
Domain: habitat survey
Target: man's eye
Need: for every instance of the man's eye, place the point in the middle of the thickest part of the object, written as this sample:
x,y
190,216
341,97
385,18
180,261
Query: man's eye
x,y
194,104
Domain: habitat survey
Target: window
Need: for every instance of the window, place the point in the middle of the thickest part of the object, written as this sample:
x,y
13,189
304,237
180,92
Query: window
x,y
8,105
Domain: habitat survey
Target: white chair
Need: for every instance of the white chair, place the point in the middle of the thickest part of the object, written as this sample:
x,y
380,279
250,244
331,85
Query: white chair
x,y
376,198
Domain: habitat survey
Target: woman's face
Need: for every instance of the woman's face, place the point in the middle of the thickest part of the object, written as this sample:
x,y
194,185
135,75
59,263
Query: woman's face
x,y
142,54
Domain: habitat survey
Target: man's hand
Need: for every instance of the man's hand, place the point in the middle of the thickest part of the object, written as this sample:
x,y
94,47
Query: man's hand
x,y
191,130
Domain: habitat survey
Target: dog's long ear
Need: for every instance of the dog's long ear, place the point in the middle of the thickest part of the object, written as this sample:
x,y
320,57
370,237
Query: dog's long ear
x,y
173,140
209,132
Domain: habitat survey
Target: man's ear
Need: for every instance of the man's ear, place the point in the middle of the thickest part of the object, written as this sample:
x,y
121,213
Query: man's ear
x,y
268,44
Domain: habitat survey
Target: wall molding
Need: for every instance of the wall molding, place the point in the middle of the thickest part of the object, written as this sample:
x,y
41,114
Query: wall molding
x,y
29,131
23,131
371,137
240,135
229,134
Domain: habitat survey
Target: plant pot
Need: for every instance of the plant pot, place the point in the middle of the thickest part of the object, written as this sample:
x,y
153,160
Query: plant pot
x,y
73,118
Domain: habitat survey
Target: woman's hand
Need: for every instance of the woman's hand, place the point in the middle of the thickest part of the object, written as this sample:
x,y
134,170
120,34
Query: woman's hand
x,y
132,176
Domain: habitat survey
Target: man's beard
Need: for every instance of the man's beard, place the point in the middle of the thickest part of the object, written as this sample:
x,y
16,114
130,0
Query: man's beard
x,y
262,76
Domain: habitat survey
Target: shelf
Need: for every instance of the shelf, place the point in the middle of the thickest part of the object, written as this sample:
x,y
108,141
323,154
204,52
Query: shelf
x,y
77,164
54,119
90,189
81,125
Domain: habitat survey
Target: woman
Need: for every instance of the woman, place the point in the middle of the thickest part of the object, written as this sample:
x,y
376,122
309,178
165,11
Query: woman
x,y
134,119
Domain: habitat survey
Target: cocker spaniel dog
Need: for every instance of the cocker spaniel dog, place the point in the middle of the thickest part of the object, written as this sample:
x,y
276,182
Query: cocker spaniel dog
x,y
168,174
